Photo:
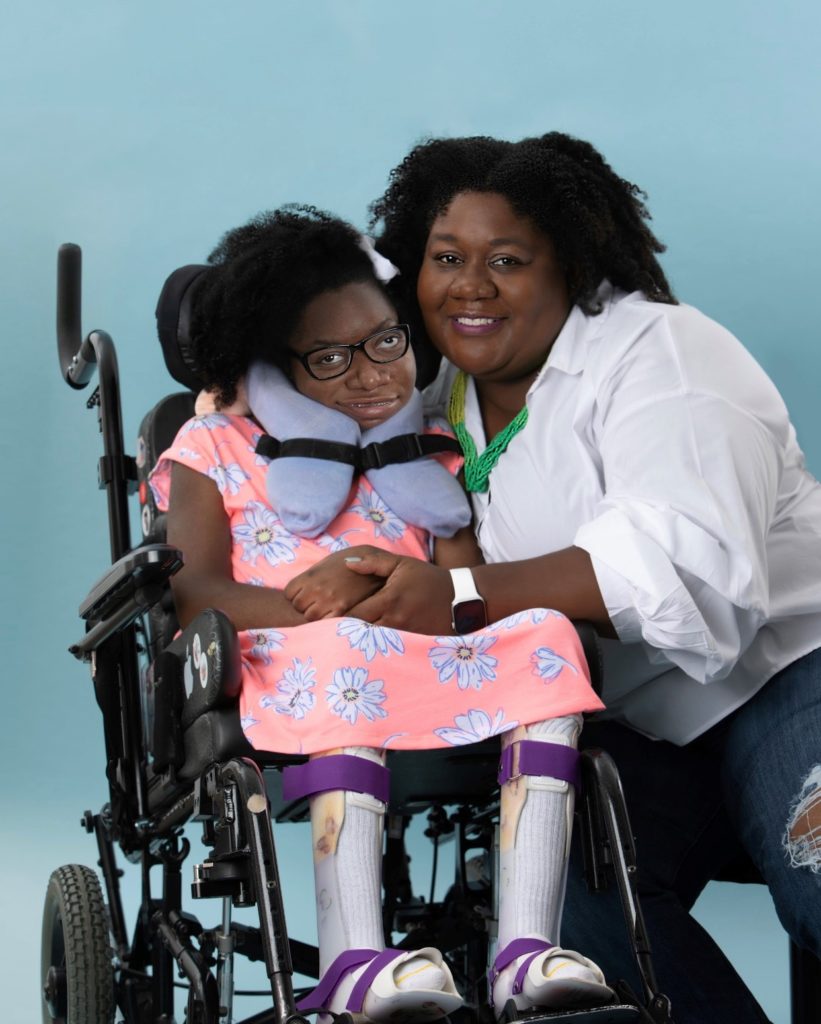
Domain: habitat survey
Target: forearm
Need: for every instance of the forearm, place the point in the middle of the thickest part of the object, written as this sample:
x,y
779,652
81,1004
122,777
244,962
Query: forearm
x,y
563,580
456,551
247,606
417,595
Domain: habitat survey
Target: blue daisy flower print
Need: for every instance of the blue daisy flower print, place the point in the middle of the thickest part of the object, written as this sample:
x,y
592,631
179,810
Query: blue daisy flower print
x,y
371,507
265,641
336,543
352,694
207,422
248,722
548,664
262,535
228,478
466,658
371,640
294,696
473,727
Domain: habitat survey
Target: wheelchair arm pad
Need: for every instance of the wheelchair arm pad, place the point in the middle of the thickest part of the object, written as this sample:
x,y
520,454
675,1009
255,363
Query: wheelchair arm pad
x,y
151,564
209,656
135,583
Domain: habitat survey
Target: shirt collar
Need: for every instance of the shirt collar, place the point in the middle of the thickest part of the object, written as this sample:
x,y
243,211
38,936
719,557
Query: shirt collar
x,y
571,347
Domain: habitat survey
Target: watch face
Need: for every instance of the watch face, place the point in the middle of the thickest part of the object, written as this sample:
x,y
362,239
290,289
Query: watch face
x,y
468,616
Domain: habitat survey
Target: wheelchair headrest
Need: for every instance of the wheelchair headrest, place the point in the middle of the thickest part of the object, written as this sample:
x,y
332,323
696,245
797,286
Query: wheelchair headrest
x,y
174,323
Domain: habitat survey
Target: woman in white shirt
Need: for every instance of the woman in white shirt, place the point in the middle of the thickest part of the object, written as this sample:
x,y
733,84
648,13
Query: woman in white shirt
x,y
629,464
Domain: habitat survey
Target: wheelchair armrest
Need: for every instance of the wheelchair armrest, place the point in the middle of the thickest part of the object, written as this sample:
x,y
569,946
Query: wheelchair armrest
x,y
134,583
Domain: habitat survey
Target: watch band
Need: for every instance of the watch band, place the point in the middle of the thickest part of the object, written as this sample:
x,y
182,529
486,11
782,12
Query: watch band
x,y
468,610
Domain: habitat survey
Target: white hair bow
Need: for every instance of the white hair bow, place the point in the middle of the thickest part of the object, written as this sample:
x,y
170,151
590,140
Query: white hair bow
x,y
383,268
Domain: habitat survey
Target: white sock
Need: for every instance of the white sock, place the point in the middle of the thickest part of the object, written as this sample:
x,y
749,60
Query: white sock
x,y
533,871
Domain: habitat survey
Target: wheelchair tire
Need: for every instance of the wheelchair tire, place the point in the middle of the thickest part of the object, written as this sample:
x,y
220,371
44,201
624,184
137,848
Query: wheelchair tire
x,y
75,959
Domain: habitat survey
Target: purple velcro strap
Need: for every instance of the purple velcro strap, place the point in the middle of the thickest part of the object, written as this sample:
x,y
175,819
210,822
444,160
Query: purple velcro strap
x,y
338,771
363,983
319,998
512,951
535,758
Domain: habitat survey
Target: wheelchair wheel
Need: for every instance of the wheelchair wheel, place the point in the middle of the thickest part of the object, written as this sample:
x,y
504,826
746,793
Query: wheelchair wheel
x,y
75,958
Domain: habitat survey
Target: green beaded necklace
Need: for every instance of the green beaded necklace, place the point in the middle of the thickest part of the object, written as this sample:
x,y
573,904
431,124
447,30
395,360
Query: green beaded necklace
x,y
478,467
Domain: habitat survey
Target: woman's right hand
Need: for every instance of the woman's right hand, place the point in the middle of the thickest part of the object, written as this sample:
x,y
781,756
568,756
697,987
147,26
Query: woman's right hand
x,y
416,596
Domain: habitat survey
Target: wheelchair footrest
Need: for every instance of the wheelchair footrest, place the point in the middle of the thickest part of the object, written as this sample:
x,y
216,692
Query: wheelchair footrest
x,y
613,1013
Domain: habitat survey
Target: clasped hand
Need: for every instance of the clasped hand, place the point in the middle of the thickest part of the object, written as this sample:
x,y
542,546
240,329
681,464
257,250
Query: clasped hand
x,y
384,589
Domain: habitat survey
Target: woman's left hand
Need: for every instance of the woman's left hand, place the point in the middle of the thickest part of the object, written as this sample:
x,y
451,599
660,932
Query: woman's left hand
x,y
329,589
416,596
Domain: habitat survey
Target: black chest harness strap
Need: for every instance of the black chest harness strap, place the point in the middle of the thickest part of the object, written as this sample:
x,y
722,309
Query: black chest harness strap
x,y
404,448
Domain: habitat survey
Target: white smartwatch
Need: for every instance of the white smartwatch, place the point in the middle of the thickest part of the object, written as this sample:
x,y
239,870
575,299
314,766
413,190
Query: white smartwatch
x,y
468,611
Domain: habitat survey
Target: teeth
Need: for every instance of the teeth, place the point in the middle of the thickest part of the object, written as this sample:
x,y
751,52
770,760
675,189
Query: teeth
x,y
476,321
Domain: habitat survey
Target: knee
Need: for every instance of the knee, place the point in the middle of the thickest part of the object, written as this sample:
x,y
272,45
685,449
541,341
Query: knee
x,y
802,836
796,894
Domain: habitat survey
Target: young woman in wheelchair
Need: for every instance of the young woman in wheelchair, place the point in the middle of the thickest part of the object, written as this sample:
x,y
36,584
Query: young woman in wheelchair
x,y
293,314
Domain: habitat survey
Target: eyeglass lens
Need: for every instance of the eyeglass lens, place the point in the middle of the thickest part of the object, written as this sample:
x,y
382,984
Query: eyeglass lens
x,y
383,347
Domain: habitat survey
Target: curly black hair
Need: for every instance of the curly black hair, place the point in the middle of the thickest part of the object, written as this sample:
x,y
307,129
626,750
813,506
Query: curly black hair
x,y
595,219
262,276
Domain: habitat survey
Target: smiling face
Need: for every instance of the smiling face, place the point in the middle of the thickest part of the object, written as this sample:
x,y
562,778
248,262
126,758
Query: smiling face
x,y
491,290
368,392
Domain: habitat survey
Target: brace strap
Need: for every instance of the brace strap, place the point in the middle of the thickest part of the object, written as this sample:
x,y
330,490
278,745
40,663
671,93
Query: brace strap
x,y
552,759
511,952
363,983
339,771
404,448
319,997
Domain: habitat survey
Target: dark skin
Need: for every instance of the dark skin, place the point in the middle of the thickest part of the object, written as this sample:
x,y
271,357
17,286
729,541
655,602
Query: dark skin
x,y
494,298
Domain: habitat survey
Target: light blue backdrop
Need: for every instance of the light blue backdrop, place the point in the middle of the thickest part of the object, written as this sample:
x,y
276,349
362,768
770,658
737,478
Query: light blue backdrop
x,y
142,131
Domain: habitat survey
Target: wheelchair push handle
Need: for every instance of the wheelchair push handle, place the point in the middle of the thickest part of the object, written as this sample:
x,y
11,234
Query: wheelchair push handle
x,y
78,358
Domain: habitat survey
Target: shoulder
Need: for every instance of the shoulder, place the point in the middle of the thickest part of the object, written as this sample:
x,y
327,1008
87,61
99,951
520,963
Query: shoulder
x,y
214,428
632,320
650,352
672,345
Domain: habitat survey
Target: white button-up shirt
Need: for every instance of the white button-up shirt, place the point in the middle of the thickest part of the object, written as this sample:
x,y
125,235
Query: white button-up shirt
x,y
656,442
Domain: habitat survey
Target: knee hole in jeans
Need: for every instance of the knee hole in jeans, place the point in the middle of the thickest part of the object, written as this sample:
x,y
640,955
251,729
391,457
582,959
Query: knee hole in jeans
x,y
802,838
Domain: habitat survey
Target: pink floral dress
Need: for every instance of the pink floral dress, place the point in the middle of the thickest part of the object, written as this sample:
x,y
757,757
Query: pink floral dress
x,y
341,681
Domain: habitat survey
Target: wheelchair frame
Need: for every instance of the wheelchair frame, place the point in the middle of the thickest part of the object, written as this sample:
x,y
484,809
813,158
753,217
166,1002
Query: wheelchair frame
x,y
221,785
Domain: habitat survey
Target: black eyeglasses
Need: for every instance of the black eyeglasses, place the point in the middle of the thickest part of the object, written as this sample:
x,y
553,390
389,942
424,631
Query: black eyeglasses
x,y
385,346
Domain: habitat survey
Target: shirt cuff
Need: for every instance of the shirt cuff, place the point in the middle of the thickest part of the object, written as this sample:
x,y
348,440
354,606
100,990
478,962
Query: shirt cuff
x,y
618,600
641,589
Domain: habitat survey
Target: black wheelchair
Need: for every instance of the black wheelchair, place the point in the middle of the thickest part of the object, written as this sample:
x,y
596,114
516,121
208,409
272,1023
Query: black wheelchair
x,y
176,755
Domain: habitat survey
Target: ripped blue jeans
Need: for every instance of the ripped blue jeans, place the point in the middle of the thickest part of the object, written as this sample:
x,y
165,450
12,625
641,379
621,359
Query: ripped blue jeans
x,y
751,784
